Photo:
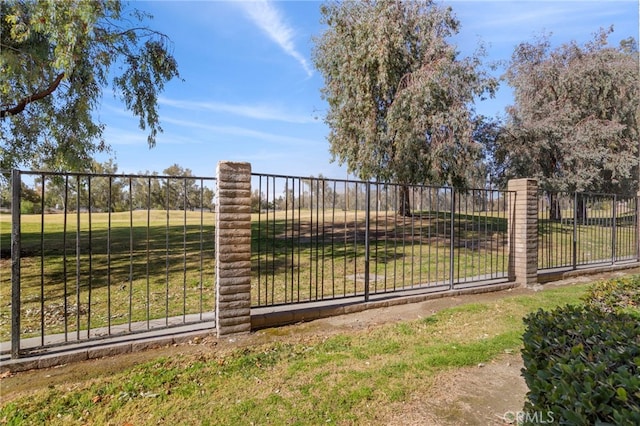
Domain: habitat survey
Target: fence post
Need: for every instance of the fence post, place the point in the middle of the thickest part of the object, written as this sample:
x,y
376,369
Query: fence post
x,y
16,186
523,232
614,230
367,236
452,243
233,248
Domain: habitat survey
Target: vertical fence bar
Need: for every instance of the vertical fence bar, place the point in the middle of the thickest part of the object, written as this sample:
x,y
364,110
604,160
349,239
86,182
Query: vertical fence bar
x,y
367,220
299,256
259,240
201,264
167,230
64,257
130,253
184,251
613,230
333,252
287,292
324,201
273,234
90,257
148,251
42,307
574,245
78,257
452,238
109,257
16,185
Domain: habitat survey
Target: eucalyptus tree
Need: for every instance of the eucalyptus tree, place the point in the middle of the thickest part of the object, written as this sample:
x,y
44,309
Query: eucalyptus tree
x,y
56,57
400,98
574,121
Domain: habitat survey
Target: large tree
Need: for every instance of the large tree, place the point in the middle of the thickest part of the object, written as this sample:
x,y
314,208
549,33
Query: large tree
x,y
55,59
574,123
400,99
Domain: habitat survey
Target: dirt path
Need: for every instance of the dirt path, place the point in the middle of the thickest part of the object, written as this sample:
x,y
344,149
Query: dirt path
x,y
488,394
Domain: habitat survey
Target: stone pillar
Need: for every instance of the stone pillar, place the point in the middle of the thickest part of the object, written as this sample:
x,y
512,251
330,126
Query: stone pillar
x,y
523,231
233,248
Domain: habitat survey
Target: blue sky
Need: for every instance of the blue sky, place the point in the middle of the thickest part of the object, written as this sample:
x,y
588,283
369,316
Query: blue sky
x,y
250,92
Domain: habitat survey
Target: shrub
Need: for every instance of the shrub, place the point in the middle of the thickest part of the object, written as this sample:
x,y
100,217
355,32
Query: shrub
x,y
582,366
616,295
29,207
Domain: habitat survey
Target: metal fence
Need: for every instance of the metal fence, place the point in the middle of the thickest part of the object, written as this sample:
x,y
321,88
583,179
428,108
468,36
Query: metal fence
x,y
95,255
318,239
577,229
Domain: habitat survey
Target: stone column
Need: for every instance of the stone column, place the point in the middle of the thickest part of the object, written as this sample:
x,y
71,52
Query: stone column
x,y
523,231
233,248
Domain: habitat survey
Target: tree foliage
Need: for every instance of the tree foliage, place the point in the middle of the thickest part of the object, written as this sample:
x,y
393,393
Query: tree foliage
x,y
400,100
574,123
56,57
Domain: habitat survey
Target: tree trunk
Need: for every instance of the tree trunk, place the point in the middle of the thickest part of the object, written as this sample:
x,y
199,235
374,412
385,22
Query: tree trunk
x,y
555,213
581,207
404,205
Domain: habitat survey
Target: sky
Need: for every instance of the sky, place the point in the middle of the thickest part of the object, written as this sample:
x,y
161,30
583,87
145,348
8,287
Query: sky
x,y
249,91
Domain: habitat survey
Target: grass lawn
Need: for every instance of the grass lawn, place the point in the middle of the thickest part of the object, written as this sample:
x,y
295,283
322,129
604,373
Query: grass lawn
x,y
346,378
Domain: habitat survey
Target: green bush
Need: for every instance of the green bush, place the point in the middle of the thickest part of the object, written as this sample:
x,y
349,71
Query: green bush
x,y
29,207
616,295
582,366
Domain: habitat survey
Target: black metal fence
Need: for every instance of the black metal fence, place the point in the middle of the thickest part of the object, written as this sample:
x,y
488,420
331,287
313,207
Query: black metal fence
x,y
577,229
318,239
89,256
98,255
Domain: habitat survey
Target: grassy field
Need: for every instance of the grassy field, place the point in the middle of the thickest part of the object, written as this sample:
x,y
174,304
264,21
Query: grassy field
x,y
359,377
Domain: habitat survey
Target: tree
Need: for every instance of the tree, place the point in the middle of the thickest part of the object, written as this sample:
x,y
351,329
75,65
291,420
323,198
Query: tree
x,y
574,123
56,57
400,100
182,193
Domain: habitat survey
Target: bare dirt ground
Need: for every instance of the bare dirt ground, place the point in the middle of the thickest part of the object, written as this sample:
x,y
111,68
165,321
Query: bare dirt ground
x,y
489,394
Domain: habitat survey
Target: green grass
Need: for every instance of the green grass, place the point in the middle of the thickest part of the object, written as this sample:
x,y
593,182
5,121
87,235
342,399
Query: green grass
x,y
357,377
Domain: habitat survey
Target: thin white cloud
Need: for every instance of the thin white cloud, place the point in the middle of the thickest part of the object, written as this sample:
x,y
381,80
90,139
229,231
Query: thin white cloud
x,y
268,18
259,112
242,131
118,136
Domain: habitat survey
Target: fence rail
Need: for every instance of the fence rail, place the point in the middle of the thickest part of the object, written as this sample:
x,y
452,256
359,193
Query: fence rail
x,y
97,255
577,229
318,239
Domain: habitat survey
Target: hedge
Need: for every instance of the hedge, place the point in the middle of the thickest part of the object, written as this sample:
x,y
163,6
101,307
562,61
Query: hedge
x,y
582,363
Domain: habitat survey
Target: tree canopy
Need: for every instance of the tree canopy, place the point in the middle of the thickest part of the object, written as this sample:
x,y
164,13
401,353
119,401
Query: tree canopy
x,y
400,100
56,57
574,123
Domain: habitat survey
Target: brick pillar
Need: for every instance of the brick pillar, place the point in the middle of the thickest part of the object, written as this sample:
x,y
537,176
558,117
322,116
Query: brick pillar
x,y
233,248
523,231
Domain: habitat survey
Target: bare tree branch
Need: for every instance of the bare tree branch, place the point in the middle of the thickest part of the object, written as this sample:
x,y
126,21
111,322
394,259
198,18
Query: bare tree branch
x,y
29,99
